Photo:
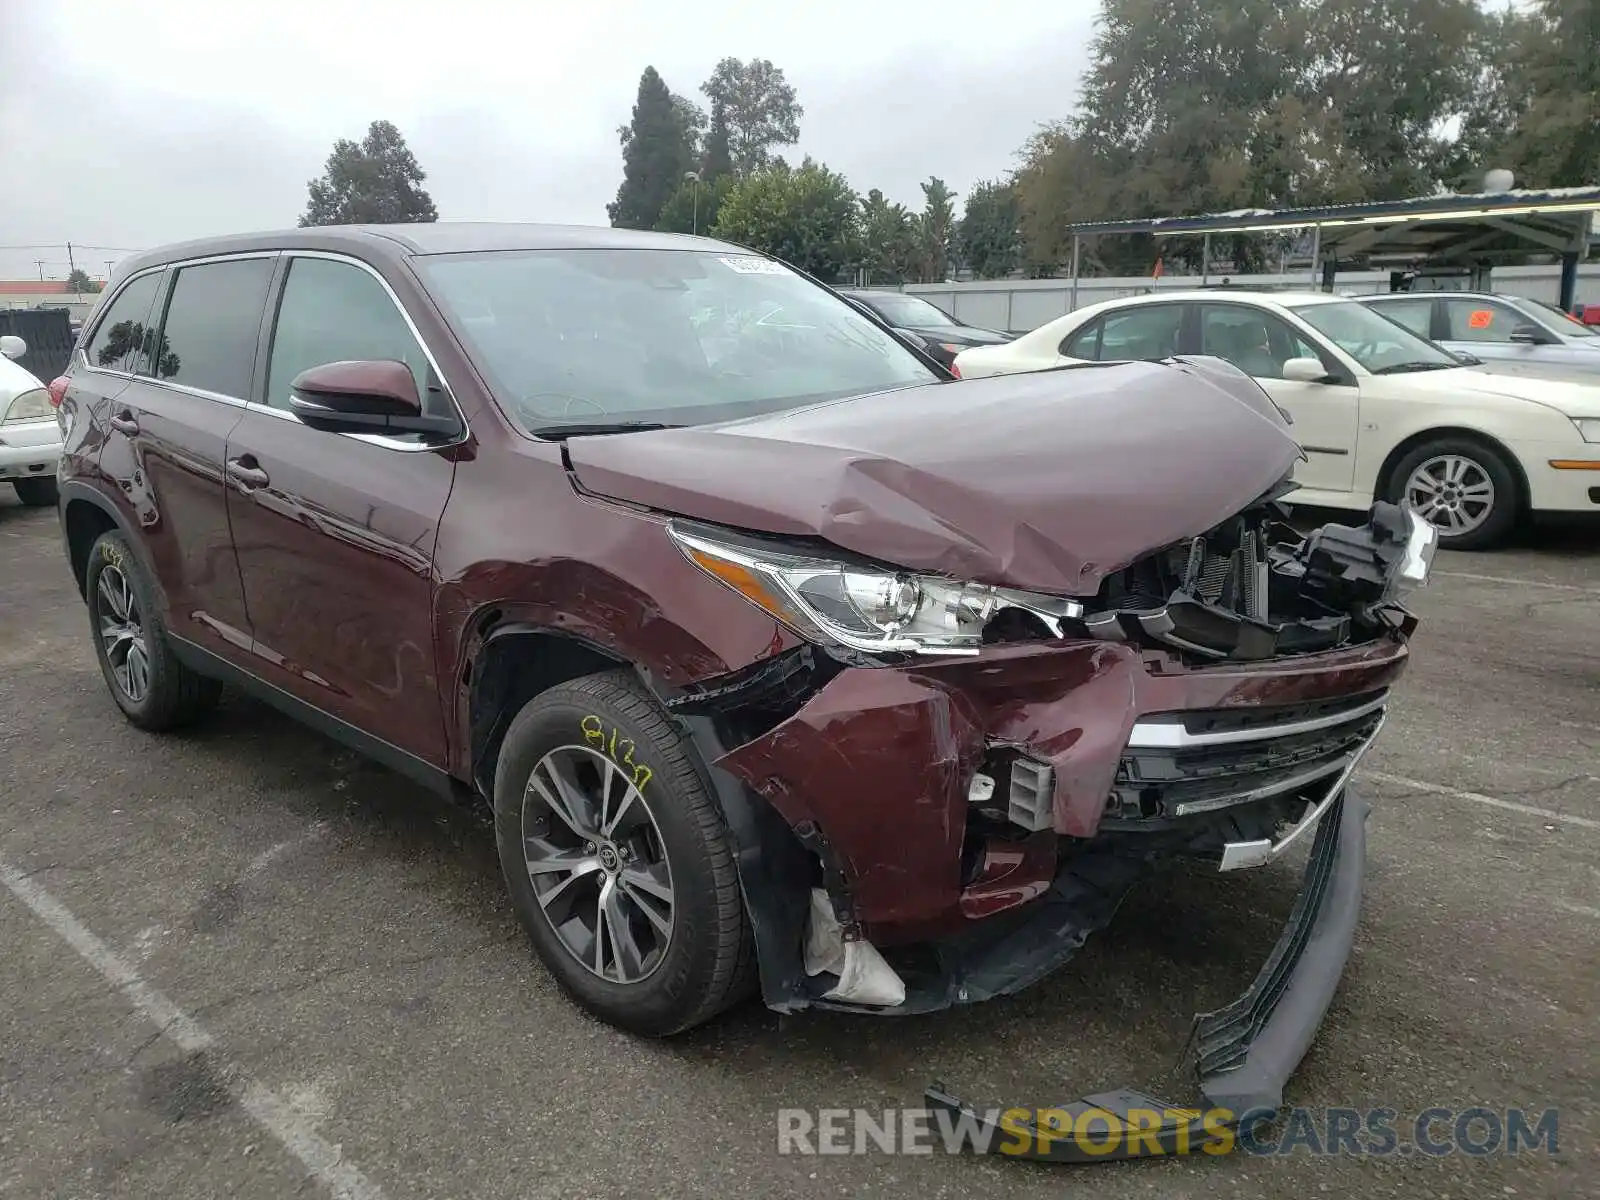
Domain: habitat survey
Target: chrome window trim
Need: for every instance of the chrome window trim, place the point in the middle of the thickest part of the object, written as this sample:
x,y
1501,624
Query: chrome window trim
x,y
1171,735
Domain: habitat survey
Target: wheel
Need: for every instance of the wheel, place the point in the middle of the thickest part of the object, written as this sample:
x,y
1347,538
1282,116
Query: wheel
x,y
37,492
1468,490
154,690
618,859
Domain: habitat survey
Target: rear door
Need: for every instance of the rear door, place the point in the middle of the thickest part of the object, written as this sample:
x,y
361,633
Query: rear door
x,y
188,372
335,532
1326,414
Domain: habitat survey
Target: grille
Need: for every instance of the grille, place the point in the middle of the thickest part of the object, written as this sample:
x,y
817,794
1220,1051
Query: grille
x,y
1203,761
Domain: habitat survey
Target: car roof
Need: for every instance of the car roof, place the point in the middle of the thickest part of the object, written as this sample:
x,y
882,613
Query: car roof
x,y
1233,293
1439,296
433,237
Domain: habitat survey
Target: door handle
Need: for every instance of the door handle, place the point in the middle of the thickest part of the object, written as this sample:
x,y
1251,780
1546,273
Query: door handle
x,y
247,473
123,422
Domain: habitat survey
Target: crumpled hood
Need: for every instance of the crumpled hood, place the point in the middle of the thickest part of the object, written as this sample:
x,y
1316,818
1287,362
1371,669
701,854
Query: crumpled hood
x,y
1554,385
1046,481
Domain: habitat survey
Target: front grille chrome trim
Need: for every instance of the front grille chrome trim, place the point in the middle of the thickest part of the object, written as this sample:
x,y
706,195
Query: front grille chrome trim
x,y
1172,735
1293,783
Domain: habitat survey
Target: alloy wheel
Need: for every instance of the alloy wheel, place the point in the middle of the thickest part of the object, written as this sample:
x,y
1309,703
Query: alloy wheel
x,y
1453,492
597,863
122,634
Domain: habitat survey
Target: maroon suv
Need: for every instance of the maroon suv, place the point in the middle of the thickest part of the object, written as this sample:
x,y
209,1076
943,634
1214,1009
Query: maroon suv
x,y
781,658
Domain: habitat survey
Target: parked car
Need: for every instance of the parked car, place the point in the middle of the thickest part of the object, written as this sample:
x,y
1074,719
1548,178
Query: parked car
x,y
777,657
940,334
30,439
1495,328
1381,413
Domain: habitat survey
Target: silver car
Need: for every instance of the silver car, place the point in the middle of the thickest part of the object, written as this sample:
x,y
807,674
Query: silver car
x,y
1495,328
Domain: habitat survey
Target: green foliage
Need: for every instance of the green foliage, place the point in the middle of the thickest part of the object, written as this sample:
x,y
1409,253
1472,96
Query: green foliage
x,y
658,146
757,110
678,214
989,237
1555,138
375,181
890,236
936,228
79,283
804,215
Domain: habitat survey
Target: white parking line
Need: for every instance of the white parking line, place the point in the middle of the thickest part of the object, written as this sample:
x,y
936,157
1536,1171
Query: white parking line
x,y
323,1159
1537,583
1420,785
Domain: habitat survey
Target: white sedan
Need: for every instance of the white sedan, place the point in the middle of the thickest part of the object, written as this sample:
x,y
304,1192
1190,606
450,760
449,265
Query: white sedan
x,y
30,438
1380,412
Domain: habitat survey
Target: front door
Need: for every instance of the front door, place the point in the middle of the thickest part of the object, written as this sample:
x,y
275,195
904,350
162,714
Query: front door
x,y
335,532
172,384
1325,414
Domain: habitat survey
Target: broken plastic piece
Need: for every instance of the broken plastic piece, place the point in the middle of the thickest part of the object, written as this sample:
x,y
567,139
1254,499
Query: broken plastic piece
x,y
864,976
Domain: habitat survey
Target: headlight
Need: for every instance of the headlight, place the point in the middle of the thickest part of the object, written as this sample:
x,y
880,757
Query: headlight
x,y
1421,541
1588,428
860,605
32,405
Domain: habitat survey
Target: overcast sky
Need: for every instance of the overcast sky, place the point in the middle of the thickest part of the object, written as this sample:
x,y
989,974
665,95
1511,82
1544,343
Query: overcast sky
x,y
124,125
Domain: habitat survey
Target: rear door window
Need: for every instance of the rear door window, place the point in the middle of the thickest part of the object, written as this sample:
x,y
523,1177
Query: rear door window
x,y
1133,333
1416,315
212,325
1471,320
122,340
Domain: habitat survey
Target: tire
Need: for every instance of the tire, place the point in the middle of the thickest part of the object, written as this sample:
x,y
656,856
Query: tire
x,y
37,492
152,688
705,960
1479,463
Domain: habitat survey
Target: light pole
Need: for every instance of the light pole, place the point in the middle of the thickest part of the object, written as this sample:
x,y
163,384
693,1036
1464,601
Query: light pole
x,y
695,176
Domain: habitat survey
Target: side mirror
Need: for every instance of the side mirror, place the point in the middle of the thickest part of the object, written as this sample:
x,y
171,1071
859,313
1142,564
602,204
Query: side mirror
x,y
12,346
1305,370
1530,335
364,396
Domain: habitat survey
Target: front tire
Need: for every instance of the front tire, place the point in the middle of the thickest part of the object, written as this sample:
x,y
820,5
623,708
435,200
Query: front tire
x,y
37,492
618,859
152,688
1466,488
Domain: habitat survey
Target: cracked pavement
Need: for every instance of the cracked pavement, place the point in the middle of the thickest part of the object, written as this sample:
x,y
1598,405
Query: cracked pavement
x,y
344,940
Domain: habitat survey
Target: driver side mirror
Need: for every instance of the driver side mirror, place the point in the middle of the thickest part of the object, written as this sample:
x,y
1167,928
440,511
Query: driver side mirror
x,y
12,346
364,396
1305,370
1530,335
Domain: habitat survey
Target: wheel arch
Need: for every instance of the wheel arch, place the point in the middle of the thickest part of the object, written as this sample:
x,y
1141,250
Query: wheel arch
x,y
85,516
1438,432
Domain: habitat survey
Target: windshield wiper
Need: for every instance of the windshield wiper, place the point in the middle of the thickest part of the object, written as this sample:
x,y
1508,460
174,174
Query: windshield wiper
x,y
558,432
1403,367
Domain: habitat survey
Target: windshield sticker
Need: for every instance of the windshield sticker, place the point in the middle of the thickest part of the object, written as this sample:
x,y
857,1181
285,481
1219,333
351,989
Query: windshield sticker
x,y
751,265
1481,318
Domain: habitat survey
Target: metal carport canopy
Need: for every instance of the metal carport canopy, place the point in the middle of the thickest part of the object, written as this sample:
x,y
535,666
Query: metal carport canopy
x,y
1475,226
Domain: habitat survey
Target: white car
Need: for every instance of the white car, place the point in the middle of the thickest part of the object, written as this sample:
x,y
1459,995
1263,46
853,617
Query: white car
x,y
30,438
1380,412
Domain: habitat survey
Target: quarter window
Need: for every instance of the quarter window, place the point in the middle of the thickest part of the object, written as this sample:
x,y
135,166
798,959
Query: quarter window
x,y
208,340
335,312
123,339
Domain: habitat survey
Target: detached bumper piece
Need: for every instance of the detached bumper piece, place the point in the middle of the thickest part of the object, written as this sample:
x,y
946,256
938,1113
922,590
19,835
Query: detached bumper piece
x,y
1245,1052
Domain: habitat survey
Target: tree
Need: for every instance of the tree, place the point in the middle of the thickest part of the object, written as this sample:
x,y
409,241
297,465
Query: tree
x,y
657,148
936,227
889,240
716,160
678,215
988,236
376,181
758,110
78,282
804,215
1556,139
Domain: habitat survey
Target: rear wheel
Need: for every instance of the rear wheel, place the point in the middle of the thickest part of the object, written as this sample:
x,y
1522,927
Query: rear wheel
x,y
154,690
37,492
618,860
1468,490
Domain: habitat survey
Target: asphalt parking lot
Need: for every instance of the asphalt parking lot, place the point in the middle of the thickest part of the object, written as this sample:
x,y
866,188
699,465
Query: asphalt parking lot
x,y
351,1008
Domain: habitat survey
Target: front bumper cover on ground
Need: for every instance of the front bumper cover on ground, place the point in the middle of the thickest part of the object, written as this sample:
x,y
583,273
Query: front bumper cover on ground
x,y
1245,1052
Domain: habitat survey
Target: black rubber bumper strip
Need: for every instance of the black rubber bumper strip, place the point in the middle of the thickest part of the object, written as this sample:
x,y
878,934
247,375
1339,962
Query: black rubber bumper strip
x,y
1244,1052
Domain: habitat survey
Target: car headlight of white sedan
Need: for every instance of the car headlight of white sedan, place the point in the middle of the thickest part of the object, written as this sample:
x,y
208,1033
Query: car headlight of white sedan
x,y
1588,428
31,405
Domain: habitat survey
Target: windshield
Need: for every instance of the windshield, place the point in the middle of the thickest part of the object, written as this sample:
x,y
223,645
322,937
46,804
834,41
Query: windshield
x,y
1380,345
1566,324
908,312
668,337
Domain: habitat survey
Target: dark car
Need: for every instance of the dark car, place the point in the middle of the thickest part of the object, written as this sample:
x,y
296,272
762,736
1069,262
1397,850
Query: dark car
x,y
940,334
779,661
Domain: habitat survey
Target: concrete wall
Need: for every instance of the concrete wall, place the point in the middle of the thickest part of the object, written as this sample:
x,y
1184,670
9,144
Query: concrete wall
x,y
1018,305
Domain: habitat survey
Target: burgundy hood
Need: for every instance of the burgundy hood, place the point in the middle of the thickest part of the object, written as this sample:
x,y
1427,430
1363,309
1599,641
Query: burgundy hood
x,y
1046,481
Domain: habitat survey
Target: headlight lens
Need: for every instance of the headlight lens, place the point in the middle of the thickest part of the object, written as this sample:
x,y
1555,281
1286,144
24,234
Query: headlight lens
x,y
1417,562
32,405
862,606
1588,428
